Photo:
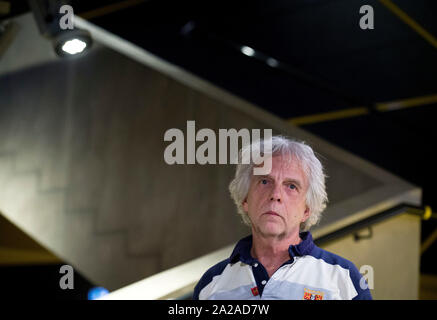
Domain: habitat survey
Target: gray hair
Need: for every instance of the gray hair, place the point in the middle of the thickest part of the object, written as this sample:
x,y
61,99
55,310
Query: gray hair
x,y
316,196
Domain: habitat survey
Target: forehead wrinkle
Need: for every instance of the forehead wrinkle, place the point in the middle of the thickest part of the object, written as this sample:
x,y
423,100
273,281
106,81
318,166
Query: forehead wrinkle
x,y
288,163
285,160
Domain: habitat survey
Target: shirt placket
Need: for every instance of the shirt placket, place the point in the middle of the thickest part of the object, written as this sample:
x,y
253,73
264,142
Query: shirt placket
x,y
262,277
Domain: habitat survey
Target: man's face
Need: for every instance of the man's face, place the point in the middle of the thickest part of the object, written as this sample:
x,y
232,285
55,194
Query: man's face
x,y
276,203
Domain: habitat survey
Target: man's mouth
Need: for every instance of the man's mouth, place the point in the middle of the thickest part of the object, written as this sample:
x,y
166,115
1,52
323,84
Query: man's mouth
x,y
273,213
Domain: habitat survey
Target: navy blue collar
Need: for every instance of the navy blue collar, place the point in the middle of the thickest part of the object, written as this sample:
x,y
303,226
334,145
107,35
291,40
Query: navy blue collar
x,y
242,249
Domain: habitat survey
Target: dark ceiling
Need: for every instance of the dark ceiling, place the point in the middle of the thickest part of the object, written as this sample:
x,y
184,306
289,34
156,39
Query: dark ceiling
x,y
327,63
330,62
319,40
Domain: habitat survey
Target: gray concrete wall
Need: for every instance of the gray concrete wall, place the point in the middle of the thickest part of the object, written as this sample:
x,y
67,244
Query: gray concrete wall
x,y
28,46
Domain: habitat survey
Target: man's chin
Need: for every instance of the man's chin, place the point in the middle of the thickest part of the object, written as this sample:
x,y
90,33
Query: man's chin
x,y
270,230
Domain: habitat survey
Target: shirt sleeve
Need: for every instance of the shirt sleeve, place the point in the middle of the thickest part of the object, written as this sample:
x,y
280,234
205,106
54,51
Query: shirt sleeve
x,y
360,284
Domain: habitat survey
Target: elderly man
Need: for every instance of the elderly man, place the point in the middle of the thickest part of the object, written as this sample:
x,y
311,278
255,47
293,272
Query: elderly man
x,y
279,260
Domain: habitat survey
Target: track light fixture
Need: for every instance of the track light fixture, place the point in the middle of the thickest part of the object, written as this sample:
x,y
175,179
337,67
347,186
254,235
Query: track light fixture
x,y
55,21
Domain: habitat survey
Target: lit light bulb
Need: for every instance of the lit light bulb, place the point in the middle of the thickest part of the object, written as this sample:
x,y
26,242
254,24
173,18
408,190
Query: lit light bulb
x,y
248,51
74,46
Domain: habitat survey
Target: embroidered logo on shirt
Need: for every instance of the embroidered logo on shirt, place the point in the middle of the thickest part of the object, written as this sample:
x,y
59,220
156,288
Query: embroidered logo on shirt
x,y
312,294
255,291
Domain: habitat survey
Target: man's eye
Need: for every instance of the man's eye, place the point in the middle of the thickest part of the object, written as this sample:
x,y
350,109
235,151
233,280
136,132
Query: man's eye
x,y
264,181
292,186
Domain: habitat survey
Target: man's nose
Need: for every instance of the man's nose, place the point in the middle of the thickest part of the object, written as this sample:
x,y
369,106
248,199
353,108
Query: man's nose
x,y
276,194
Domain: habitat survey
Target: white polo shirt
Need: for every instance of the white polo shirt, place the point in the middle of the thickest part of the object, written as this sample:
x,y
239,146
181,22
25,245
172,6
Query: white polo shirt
x,y
311,274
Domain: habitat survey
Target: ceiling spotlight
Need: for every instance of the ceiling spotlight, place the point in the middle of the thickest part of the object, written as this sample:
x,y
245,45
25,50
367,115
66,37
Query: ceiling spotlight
x,y
72,42
74,46
248,51
272,62
67,41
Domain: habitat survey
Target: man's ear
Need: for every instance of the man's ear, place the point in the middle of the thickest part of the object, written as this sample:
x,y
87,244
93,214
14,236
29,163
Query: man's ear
x,y
245,205
306,214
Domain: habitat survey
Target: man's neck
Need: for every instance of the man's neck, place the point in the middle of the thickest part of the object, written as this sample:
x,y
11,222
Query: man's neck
x,y
272,252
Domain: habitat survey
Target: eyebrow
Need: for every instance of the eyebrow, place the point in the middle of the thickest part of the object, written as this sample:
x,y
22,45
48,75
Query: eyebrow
x,y
296,182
